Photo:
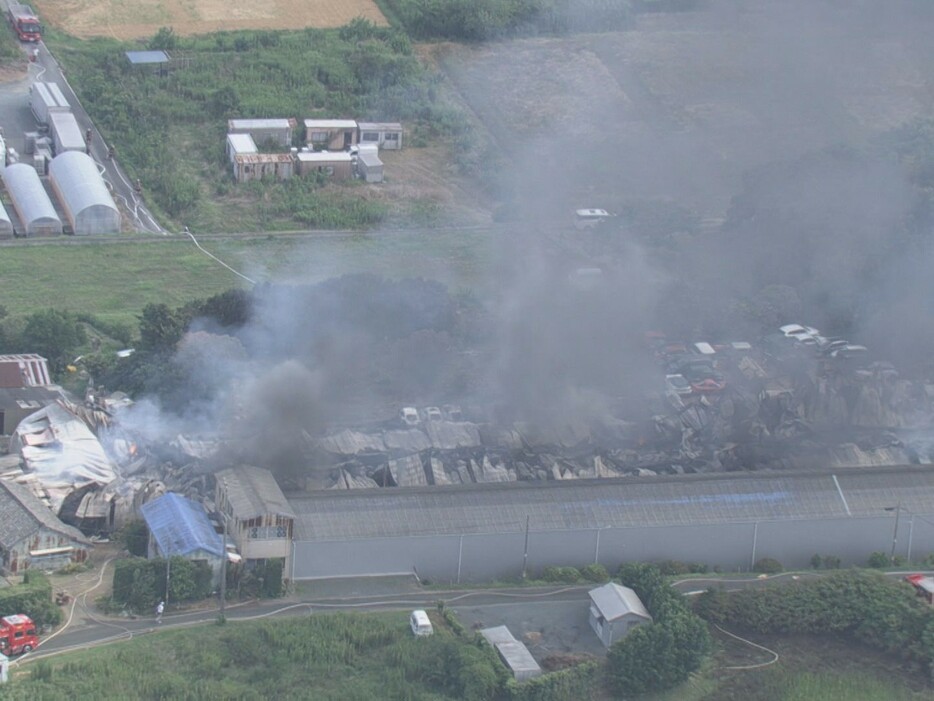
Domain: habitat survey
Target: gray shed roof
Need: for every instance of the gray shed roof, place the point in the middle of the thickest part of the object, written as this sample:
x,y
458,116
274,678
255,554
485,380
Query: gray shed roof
x,y
30,199
247,124
23,514
615,601
79,183
253,491
147,57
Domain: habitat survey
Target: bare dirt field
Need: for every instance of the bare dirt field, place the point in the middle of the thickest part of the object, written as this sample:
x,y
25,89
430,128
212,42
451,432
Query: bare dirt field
x,y
131,19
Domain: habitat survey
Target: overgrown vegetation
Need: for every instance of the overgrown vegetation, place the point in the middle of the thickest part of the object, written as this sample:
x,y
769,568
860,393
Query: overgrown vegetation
x,y
139,584
660,655
169,130
880,612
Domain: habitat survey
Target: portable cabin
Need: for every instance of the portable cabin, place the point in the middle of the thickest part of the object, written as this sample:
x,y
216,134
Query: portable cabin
x,y
274,131
387,135
330,134
31,202
239,144
66,134
78,185
256,166
337,164
370,167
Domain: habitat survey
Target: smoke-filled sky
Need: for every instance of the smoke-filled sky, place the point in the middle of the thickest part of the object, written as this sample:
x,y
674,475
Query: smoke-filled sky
x,y
762,129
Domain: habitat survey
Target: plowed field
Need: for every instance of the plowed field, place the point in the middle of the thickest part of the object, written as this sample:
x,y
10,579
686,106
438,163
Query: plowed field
x,y
130,19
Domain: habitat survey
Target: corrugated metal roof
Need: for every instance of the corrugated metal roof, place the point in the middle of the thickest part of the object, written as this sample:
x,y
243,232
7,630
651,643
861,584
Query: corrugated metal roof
x,y
180,526
379,126
263,158
23,514
68,133
247,124
617,503
79,184
615,601
330,124
30,199
147,57
323,157
252,492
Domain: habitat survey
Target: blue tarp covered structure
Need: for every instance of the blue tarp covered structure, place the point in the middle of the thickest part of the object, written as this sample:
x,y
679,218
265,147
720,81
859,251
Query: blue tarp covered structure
x,y
179,526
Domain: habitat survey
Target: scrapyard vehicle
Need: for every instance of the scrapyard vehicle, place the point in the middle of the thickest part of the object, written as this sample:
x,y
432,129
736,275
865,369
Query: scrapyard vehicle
x,y
923,584
589,218
409,416
17,635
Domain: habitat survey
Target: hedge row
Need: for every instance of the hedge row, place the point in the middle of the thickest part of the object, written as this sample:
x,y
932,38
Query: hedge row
x,y
139,584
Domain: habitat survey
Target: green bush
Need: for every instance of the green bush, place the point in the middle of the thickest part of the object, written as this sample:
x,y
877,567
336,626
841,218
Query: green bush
x,y
878,560
135,537
768,565
33,597
139,584
566,575
595,573
578,682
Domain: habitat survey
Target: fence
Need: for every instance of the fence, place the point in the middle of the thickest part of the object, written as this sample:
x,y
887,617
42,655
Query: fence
x,y
731,546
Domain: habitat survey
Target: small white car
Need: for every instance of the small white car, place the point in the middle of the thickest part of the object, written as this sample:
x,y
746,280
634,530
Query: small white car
x,y
433,413
409,416
589,218
420,623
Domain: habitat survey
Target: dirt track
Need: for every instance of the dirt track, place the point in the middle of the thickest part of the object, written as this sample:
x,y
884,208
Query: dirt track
x,y
123,19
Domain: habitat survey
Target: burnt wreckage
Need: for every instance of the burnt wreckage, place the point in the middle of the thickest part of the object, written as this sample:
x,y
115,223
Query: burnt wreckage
x,y
785,409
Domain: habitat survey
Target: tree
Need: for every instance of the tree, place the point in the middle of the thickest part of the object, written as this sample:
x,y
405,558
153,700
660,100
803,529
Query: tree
x,y
54,334
164,39
160,328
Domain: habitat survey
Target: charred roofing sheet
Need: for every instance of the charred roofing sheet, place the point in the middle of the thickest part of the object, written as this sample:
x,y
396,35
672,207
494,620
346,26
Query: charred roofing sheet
x,y
609,503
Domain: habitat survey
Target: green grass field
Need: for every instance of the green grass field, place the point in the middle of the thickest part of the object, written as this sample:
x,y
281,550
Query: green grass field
x,y
339,657
115,281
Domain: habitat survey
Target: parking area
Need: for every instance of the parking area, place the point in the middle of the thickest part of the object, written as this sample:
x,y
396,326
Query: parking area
x,y
548,628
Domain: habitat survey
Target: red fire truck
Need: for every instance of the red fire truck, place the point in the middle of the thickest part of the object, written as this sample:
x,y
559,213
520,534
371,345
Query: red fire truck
x,y
25,22
17,635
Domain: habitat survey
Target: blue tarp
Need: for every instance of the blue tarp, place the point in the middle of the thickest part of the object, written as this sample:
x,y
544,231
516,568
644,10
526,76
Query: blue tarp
x,y
180,526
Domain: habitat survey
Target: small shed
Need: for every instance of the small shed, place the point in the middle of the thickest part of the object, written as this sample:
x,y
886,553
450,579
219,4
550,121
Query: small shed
x,y
256,166
30,201
180,527
275,131
331,134
32,536
66,134
387,135
514,654
370,168
80,188
614,611
239,144
337,164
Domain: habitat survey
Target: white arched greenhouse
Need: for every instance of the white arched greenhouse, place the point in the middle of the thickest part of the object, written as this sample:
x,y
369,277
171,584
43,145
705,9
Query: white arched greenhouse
x,y
30,201
80,188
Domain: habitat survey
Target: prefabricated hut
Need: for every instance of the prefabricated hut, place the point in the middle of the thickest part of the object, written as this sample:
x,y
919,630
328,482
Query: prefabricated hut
x,y
30,201
66,134
255,166
337,164
240,144
6,225
80,188
330,134
179,527
614,611
370,167
276,131
387,135
514,654
45,98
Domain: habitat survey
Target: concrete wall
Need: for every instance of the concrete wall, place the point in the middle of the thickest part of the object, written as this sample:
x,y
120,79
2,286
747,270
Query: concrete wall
x,y
734,546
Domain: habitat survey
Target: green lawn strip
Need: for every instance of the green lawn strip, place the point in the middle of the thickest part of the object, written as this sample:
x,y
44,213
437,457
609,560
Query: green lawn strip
x,y
328,656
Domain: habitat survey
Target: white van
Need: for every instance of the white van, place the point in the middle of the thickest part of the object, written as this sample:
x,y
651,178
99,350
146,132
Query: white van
x,y
589,218
420,623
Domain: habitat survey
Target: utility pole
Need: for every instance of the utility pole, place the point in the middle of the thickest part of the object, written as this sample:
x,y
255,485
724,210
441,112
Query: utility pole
x,y
525,555
898,512
220,617
168,571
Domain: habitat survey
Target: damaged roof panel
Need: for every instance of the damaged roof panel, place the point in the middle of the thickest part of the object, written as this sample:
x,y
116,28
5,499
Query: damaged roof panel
x,y
252,491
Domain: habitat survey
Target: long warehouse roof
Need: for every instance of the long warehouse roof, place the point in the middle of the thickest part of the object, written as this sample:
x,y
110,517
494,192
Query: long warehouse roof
x,y
661,501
